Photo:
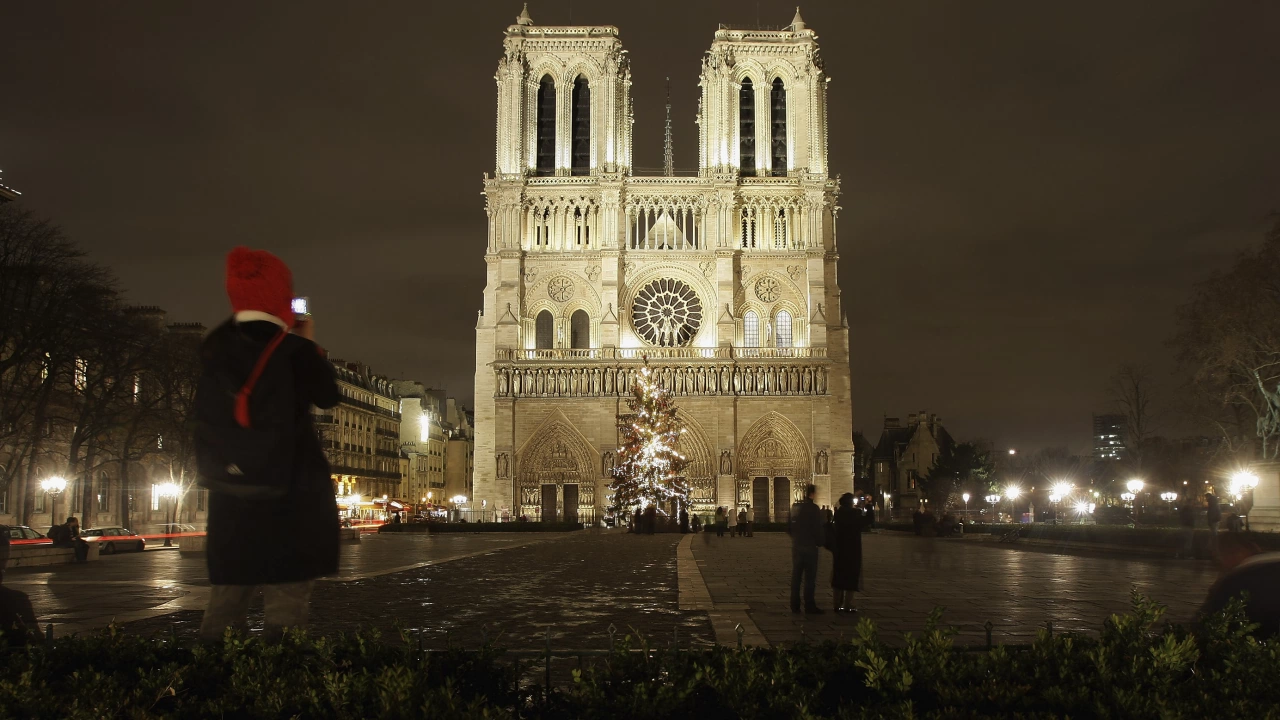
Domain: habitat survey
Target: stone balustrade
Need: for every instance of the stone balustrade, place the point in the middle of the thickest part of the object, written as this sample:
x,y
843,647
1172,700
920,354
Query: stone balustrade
x,y
594,380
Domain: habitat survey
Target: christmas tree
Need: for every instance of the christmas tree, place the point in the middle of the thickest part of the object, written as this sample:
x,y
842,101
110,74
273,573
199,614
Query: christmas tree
x,y
649,469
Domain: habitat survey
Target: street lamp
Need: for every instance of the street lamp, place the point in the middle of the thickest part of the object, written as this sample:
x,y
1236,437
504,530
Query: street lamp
x,y
1168,496
1135,486
965,497
992,500
169,491
1012,492
353,504
53,487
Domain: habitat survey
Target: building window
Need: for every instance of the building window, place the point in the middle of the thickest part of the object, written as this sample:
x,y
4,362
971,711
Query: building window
x,y
4,500
104,493
82,374
155,497
784,329
544,330
747,129
200,496
751,329
778,125
580,330
581,126
40,502
546,127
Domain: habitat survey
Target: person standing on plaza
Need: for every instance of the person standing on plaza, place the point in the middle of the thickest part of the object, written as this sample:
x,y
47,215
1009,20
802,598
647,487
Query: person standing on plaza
x,y
696,525
1213,515
719,522
846,554
279,542
807,531
733,522
751,521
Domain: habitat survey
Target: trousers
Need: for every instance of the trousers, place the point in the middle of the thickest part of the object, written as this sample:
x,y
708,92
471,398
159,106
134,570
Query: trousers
x,y
285,605
804,564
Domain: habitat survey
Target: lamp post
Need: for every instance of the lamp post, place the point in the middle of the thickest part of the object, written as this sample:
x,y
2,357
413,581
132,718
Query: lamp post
x,y
1134,487
1242,484
1012,492
169,491
965,497
53,487
1061,491
992,500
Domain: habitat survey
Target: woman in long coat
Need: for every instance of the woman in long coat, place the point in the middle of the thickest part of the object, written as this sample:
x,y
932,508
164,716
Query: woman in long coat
x,y
846,552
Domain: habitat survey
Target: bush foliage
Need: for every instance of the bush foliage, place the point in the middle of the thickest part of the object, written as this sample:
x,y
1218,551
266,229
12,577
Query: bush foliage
x,y
1137,668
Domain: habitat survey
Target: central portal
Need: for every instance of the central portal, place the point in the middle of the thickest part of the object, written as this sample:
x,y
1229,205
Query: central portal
x,y
571,503
781,500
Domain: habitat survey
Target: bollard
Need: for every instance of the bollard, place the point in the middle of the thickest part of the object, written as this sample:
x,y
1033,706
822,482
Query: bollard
x,y
740,630
1049,627
612,631
48,634
988,628
484,634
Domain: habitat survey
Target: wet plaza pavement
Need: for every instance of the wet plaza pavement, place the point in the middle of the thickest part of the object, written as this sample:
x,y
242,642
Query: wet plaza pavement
x,y
519,587
575,586
1018,589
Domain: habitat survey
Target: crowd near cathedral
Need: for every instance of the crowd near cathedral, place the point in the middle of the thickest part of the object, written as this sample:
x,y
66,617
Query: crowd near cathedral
x,y
723,280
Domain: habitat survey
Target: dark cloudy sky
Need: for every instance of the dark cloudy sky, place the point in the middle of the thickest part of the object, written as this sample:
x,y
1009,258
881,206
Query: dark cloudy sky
x,y
1030,188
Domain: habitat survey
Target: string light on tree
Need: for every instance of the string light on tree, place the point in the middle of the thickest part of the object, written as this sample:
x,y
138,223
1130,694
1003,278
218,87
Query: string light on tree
x,y
649,468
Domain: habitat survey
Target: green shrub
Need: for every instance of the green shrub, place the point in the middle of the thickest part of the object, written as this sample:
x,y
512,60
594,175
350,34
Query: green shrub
x,y
1138,667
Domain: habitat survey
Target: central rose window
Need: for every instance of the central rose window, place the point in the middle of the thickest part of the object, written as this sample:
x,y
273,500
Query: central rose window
x,y
666,313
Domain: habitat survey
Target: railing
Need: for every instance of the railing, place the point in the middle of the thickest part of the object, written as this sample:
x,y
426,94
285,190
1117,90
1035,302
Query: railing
x,y
664,353
363,472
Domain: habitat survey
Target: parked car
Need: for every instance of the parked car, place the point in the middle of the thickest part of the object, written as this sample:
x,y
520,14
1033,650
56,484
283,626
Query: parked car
x,y
110,539
23,535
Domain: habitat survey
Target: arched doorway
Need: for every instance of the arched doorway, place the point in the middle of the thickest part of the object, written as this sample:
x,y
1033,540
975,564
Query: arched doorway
x,y
773,466
556,472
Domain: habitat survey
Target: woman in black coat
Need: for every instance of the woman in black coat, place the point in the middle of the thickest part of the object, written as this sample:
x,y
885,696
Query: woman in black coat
x,y
846,552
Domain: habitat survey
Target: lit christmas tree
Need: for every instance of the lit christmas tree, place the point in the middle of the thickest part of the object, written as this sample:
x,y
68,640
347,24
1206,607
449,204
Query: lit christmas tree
x,y
649,469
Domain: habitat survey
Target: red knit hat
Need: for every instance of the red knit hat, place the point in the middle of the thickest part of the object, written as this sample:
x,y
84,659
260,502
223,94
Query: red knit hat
x,y
258,280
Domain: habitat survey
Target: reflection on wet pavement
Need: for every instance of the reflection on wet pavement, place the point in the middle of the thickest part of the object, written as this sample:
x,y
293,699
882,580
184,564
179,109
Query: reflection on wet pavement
x,y
905,577
576,586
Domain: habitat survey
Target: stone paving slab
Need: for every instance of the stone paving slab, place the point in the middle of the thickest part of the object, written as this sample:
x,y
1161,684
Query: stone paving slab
x,y
575,586
905,577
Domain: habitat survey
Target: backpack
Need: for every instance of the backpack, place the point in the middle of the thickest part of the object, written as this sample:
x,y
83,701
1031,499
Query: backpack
x,y
245,441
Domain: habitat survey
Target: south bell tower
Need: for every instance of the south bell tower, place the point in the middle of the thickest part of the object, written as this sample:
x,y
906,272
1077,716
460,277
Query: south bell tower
x,y
724,278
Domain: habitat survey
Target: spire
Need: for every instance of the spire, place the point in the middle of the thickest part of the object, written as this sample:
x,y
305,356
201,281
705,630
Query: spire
x,y
524,18
797,22
668,160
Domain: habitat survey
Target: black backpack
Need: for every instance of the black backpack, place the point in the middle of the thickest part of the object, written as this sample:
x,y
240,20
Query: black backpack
x,y
245,442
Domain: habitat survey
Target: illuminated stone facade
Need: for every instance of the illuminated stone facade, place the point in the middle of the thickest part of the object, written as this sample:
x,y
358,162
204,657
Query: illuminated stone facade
x,y
724,278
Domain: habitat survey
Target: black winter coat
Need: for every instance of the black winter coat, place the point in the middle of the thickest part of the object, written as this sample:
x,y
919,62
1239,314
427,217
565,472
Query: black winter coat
x,y
294,538
846,549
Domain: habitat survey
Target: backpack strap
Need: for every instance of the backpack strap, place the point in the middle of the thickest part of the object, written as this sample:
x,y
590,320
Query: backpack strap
x,y
242,398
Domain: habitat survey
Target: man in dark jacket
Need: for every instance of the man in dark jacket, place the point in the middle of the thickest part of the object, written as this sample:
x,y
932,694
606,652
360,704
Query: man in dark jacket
x,y
807,531
17,620
278,546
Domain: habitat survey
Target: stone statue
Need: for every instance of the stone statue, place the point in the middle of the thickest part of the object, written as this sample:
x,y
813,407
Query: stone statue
x,y
606,464
820,463
502,465
726,462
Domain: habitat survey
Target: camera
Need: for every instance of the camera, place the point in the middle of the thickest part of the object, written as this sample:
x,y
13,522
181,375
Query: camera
x,y
300,306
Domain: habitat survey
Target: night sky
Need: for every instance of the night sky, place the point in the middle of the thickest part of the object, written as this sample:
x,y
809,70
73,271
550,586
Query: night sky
x,y
1029,188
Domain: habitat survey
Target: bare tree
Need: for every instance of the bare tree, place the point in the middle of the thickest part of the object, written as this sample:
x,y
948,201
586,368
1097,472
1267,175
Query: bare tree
x,y
1228,339
1131,390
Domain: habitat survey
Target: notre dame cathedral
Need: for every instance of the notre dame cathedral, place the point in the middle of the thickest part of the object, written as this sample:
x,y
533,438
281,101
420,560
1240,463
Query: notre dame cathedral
x,y
724,279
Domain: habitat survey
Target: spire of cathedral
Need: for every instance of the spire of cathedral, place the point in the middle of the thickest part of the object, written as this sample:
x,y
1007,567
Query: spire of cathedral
x,y
524,18
668,160
797,22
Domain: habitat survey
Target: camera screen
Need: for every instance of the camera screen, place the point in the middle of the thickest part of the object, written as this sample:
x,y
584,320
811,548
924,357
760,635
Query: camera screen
x,y
300,306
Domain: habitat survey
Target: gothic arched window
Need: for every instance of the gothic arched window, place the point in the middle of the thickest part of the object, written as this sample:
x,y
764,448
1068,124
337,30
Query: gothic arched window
x,y
580,162
778,118
546,127
751,329
747,129
544,331
579,330
783,329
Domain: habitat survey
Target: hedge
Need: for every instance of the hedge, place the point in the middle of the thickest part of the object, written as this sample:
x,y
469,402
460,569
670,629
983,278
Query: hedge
x,y
1137,668
489,527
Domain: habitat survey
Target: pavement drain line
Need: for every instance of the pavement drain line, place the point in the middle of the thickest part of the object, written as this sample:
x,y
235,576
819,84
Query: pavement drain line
x,y
725,618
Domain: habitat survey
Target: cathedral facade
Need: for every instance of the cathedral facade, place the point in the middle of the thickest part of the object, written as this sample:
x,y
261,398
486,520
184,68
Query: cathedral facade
x,y
723,280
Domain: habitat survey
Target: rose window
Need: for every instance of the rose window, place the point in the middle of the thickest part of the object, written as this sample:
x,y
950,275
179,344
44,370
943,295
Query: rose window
x,y
560,288
666,313
767,289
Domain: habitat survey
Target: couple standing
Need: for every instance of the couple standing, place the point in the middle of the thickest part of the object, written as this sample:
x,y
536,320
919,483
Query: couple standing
x,y
843,537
